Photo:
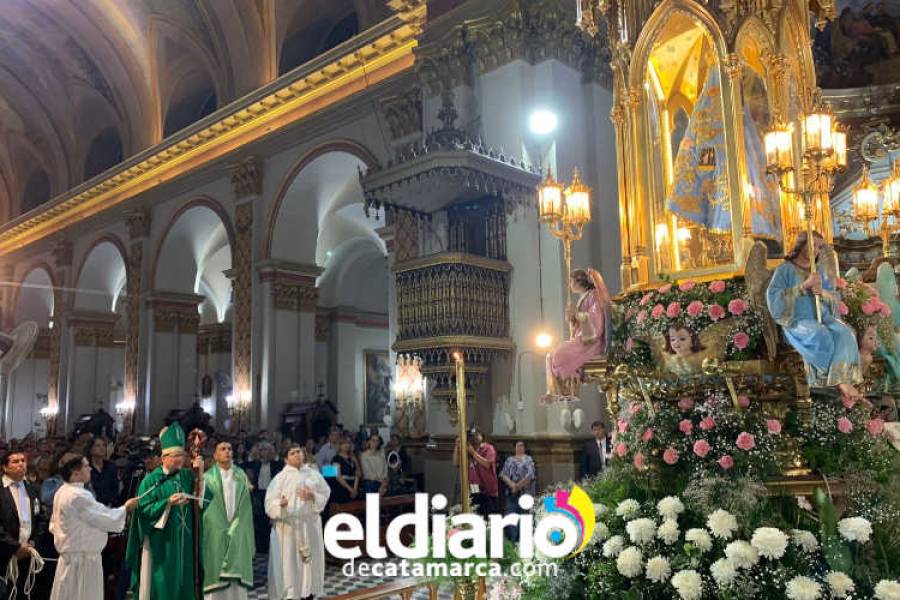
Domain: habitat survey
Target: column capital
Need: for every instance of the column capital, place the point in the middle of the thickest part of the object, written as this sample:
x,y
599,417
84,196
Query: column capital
x,y
175,311
137,221
246,177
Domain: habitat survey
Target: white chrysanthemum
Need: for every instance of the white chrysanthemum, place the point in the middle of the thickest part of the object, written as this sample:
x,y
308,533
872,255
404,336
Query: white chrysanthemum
x,y
658,569
613,546
700,538
641,531
770,542
628,508
601,532
803,588
600,509
840,584
722,524
805,540
887,590
741,554
670,507
688,584
855,529
668,532
630,562
723,572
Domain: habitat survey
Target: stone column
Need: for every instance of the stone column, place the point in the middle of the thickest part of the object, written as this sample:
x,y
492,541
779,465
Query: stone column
x,y
172,354
62,259
138,222
289,345
246,177
93,357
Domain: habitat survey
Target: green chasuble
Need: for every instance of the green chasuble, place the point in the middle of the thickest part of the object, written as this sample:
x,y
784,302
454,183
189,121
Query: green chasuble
x,y
171,548
227,547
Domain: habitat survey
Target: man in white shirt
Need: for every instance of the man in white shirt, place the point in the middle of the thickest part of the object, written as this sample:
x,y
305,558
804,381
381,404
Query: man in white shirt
x,y
326,454
22,522
596,451
81,526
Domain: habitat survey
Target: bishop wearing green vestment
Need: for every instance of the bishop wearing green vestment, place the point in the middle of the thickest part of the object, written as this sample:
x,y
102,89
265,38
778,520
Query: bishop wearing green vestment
x,y
160,537
227,539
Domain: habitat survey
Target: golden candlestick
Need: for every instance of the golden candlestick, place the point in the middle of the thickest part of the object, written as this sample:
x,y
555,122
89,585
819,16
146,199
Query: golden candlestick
x,y
463,437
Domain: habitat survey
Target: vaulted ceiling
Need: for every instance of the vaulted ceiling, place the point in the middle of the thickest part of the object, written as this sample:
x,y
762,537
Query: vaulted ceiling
x,y
87,83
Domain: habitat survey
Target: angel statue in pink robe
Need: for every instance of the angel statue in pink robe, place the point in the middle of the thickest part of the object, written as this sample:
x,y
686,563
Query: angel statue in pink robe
x,y
589,324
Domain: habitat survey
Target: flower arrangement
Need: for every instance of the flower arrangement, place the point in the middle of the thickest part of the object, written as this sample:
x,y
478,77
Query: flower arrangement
x,y
664,549
862,307
691,305
697,437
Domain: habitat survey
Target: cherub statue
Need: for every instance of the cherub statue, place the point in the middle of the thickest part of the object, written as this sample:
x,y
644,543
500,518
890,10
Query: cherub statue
x,y
589,323
828,346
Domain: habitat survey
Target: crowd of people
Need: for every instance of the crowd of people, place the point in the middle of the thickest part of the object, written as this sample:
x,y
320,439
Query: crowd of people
x,y
65,498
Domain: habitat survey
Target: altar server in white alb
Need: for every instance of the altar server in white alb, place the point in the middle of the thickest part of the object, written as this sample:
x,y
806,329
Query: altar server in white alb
x,y
294,499
80,526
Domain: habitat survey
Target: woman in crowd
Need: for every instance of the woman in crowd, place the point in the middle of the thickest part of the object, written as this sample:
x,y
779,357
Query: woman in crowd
x,y
482,472
374,467
519,476
346,487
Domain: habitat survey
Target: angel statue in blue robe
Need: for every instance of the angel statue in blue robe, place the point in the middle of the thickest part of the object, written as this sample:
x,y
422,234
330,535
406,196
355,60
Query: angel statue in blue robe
x,y
829,348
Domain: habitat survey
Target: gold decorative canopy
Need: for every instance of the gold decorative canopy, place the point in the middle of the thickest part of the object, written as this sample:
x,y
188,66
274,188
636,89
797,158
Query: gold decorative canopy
x,y
696,85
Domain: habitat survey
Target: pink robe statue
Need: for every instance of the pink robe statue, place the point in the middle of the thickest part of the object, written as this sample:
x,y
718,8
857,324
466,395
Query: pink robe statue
x,y
590,330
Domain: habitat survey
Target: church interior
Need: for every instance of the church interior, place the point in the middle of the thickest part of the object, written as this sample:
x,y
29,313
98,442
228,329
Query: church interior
x,y
287,215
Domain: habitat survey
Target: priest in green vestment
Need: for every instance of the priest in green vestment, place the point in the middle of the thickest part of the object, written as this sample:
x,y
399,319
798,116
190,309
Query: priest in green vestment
x,y
226,533
160,537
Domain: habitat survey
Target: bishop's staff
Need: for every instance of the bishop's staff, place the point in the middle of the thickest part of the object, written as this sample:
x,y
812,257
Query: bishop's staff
x,y
196,441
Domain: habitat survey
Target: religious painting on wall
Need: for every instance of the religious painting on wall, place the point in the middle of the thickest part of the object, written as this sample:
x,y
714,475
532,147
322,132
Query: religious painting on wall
x,y
377,386
860,47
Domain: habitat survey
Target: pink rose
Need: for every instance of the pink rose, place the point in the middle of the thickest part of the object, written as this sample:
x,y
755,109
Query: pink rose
x,y
840,283
715,311
773,425
701,448
885,310
843,309
745,441
687,286
658,311
673,310
741,340
737,307
648,435
848,402
665,289
726,462
639,461
707,423
670,456
717,287
645,299
629,344
743,401
642,316
875,426
622,426
630,313
685,426
869,307
635,408
845,425
621,449
686,403
695,308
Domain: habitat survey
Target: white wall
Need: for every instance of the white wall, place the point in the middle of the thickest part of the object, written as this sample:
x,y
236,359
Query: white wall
x,y
23,408
348,342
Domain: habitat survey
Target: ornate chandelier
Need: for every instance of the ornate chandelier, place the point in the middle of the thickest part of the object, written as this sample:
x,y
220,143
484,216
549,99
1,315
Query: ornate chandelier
x,y
409,386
